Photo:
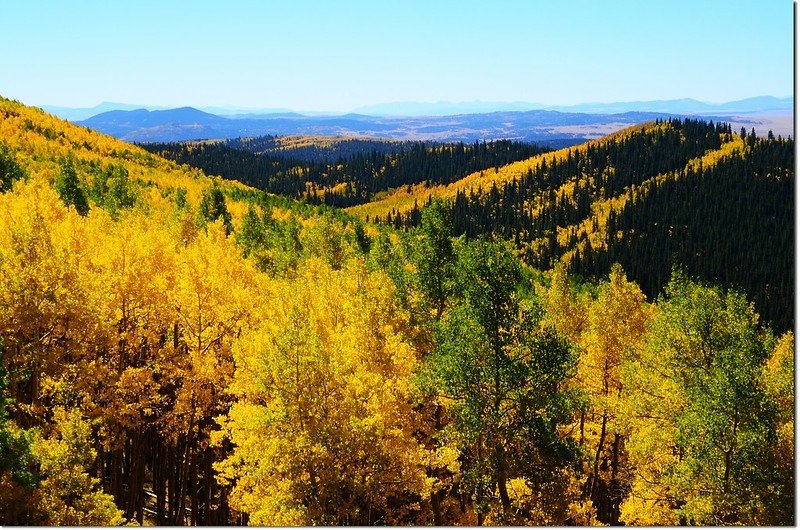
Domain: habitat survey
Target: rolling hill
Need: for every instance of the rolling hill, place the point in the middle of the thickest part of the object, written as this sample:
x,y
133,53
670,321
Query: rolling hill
x,y
125,280
687,193
339,172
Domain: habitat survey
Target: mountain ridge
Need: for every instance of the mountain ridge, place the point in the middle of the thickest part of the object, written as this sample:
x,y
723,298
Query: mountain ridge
x,y
676,192
445,108
547,127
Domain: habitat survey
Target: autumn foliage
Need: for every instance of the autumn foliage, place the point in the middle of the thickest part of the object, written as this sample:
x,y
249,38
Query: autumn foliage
x,y
178,350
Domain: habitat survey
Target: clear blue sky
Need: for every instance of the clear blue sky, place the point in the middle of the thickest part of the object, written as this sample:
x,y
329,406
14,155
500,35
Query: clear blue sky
x,y
339,55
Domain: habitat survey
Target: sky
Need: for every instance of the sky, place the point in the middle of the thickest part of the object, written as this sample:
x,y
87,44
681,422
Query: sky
x,y
339,55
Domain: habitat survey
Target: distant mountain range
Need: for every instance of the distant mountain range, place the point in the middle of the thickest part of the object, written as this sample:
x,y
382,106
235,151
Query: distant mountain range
x,y
542,126
446,108
442,121
78,114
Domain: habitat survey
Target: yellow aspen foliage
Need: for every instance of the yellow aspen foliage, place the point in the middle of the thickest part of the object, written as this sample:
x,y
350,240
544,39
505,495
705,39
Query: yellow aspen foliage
x,y
778,377
554,503
778,381
323,426
44,315
160,367
213,302
134,267
563,311
652,398
67,494
616,326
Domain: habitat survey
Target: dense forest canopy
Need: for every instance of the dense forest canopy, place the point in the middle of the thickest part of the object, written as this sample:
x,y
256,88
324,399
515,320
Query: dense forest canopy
x,y
679,192
342,173
178,349
687,193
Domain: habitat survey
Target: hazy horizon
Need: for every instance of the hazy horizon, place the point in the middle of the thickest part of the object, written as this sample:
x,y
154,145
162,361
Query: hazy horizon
x,y
534,105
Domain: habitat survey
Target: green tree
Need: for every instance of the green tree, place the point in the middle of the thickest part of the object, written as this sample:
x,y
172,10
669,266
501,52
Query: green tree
x,y
504,376
69,188
10,170
702,423
213,207
435,257
251,234
17,478
120,194
326,240
111,189
180,198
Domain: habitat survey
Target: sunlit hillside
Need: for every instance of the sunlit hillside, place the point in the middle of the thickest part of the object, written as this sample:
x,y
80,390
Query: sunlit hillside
x,y
41,143
686,193
402,200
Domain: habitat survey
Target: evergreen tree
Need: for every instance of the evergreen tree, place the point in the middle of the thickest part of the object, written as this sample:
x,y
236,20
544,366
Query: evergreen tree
x,y
120,194
10,170
213,207
69,188
251,235
16,462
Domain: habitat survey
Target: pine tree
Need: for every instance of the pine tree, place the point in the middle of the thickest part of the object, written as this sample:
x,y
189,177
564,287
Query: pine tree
x,y
213,207
69,188
10,170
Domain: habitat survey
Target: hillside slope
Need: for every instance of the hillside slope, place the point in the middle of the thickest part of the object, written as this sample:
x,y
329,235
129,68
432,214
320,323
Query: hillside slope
x,y
344,173
125,281
41,144
686,193
402,200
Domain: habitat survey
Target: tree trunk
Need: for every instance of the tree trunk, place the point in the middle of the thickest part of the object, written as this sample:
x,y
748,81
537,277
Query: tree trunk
x,y
583,421
436,498
500,457
116,475
596,470
174,478
159,483
192,489
436,507
615,491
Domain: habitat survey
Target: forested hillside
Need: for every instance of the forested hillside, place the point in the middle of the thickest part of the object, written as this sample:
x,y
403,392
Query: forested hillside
x,y
340,173
179,350
315,148
686,193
